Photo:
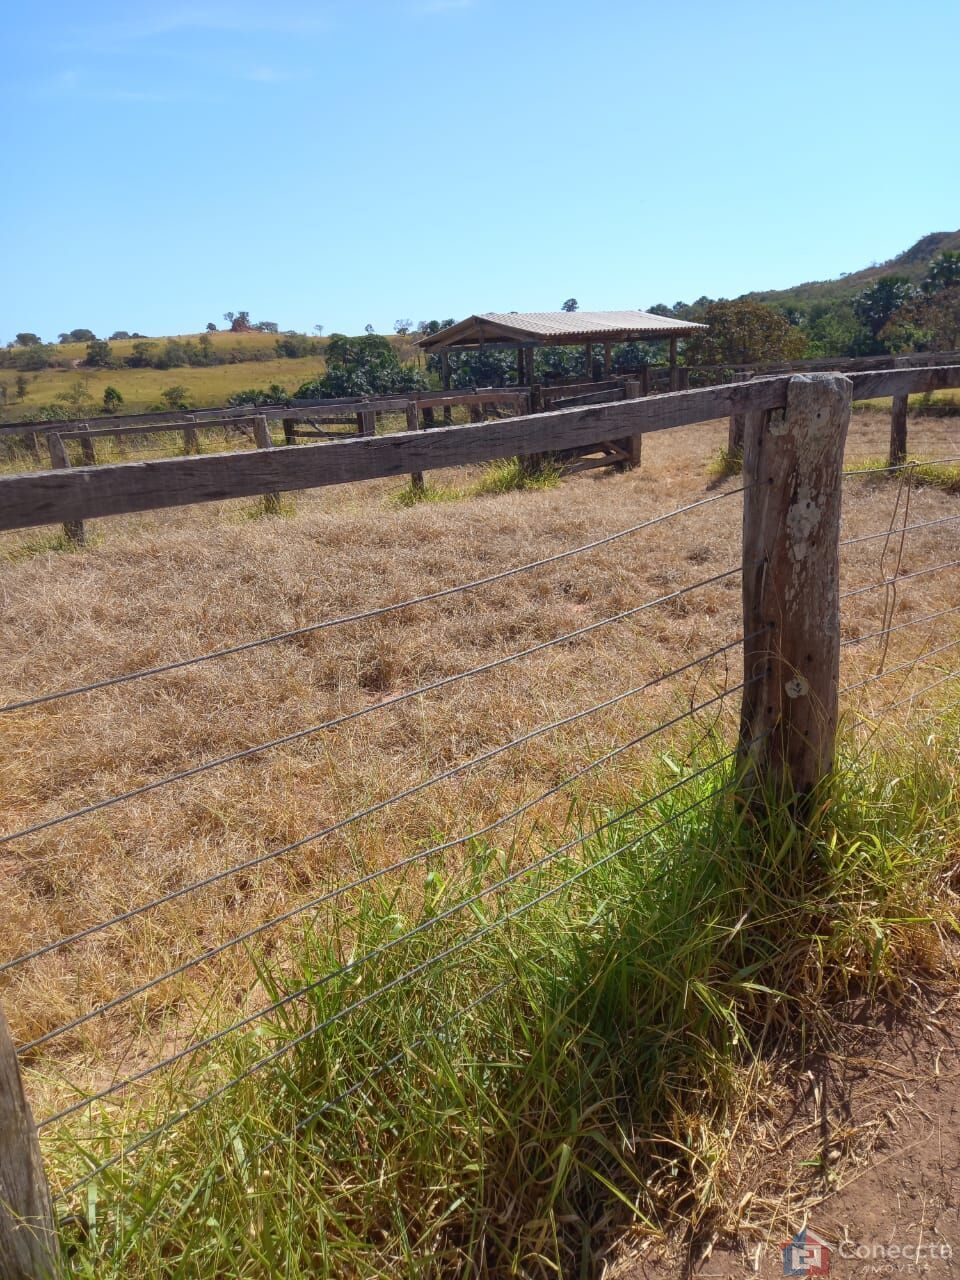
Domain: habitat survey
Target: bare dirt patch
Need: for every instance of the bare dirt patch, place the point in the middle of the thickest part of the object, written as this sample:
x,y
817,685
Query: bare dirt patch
x,y
860,1144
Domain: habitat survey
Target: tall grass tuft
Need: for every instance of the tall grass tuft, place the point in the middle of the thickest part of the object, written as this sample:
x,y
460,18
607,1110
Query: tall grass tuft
x,y
568,1063
509,475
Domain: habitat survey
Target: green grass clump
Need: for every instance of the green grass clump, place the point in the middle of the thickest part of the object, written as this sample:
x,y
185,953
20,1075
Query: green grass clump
x,y
725,463
412,495
936,475
509,475
565,1056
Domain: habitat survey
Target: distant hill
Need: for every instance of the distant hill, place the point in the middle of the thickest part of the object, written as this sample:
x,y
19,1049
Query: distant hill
x,y
912,263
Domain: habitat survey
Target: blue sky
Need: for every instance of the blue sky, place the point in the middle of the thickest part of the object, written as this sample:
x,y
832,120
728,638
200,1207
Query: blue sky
x,y
349,162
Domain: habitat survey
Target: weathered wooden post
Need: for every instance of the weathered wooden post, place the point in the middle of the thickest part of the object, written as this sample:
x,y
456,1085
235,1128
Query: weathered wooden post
x,y
73,530
645,380
87,448
738,422
191,443
791,582
674,375
263,440
898,431
633,445
28,1237
367,422
413,424
289,431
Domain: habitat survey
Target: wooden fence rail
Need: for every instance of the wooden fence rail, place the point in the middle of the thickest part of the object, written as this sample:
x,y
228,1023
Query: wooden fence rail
x,y
81,493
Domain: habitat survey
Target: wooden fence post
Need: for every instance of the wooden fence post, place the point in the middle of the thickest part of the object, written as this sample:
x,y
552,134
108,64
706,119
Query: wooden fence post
x,y
73,530
263,439
367,422
633,390
738,422
413,424
28,1237
898,431
791,582
190,441
88,449
289,427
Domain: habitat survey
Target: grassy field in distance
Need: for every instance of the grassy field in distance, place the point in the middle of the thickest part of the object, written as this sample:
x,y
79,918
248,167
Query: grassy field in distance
x,y
206,385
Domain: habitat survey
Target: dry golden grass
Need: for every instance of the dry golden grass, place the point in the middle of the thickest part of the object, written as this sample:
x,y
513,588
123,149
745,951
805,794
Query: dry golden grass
x,y
171,584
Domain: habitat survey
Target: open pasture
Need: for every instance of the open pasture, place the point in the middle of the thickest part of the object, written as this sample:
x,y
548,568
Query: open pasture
x,y
161,586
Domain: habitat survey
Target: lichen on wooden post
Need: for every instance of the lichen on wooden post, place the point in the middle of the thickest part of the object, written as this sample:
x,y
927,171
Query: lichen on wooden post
x,y
28,1238
791,586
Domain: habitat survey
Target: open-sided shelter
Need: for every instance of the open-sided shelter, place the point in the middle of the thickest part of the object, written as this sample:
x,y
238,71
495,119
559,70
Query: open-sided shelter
x,y
525,331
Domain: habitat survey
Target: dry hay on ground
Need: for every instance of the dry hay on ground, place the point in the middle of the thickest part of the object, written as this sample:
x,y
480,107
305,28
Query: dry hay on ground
x,y
171,584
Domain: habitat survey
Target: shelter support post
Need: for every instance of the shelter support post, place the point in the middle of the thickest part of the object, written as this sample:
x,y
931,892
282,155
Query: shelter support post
x,y
674,383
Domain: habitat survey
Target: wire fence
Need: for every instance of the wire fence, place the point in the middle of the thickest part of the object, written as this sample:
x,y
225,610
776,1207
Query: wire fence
x,y
152,1019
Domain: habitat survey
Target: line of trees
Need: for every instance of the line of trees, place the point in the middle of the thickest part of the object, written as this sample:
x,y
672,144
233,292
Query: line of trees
x,y
888,317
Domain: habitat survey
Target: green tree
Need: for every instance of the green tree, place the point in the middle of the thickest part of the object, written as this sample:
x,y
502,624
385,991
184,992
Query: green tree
x,y
142,356
22,382
99,355
364,365
211,327
27,340
294,346
877,303
121,335
743,332
112,400
929,321
571,304
944,273
834,330
77,401
175,397
77,335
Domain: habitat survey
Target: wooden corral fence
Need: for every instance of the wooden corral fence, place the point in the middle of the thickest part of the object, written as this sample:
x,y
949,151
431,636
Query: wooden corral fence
x,y
71,495
794,431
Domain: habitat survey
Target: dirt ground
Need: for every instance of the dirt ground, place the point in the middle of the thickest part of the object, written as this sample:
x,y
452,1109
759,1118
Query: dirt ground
x,y
166,585
861,1146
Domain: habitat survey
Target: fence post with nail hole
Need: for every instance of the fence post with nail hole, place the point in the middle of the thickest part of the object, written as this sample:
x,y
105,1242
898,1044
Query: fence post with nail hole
x,y
792,468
